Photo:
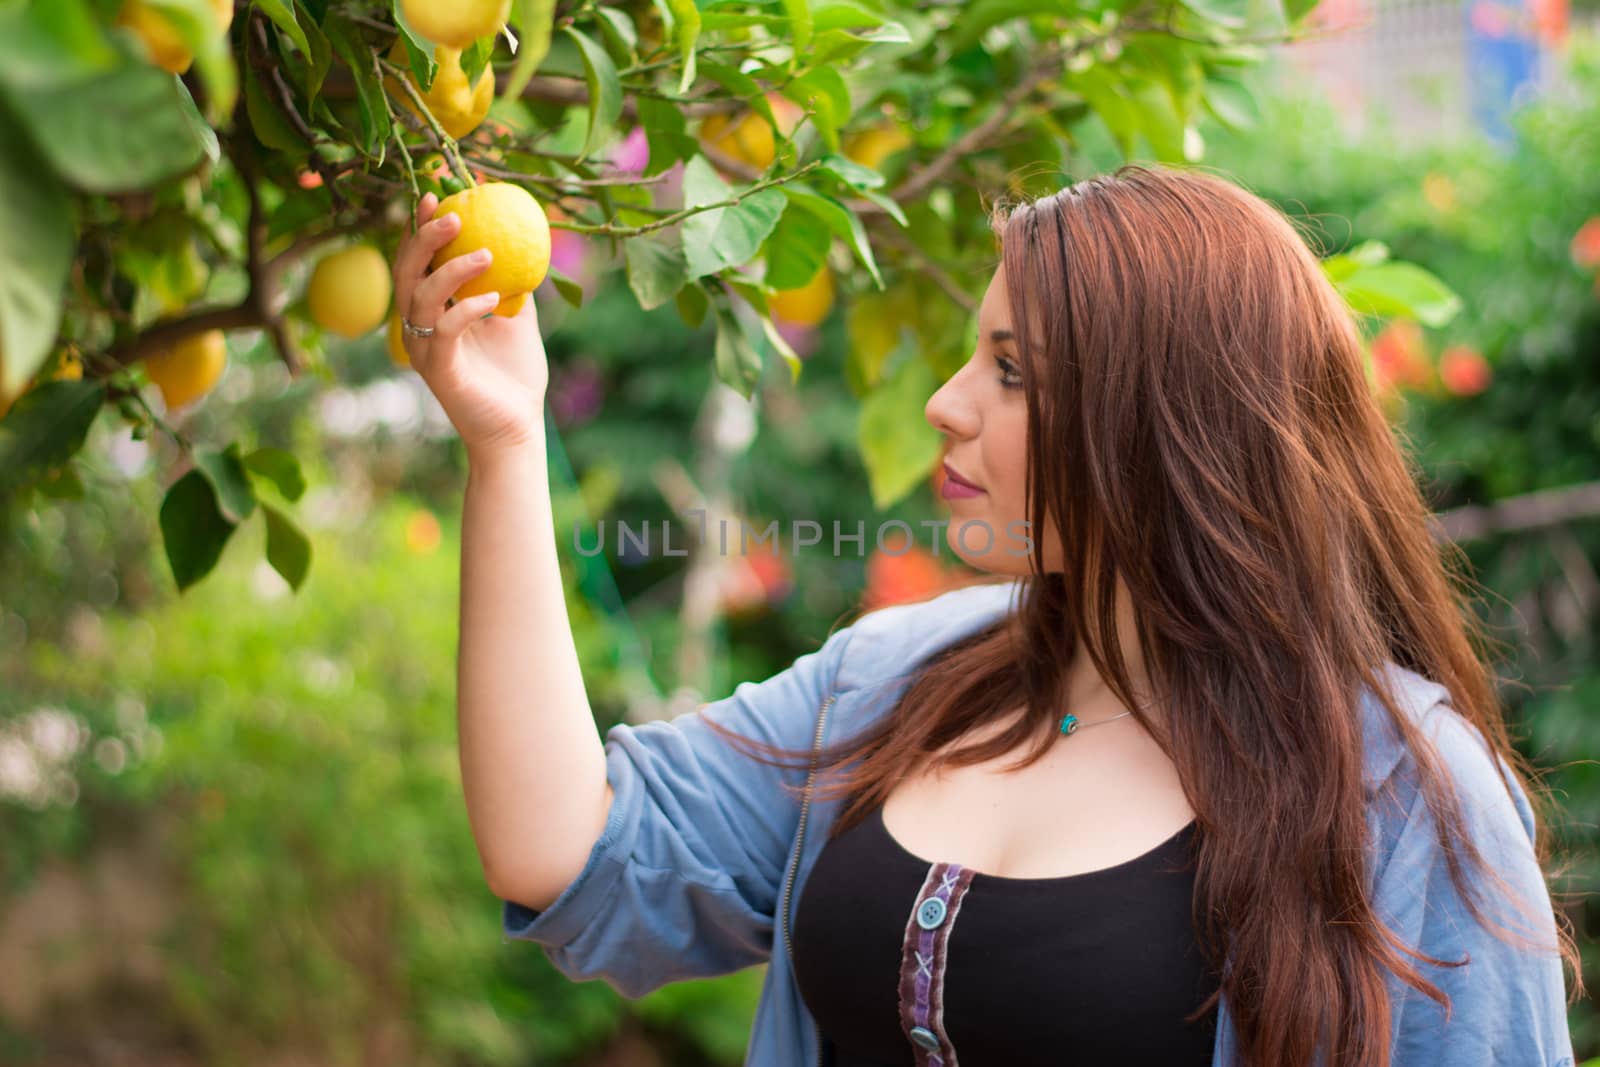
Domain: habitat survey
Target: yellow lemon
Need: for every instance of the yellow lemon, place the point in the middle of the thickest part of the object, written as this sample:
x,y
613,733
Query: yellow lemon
x,y
456,23
397,343
870,147
750,140
161,39
508,221
459,108
349,291
807,305
187,371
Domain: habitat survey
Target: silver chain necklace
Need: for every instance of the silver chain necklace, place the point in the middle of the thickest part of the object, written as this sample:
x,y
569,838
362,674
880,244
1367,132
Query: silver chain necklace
x,y
1071,725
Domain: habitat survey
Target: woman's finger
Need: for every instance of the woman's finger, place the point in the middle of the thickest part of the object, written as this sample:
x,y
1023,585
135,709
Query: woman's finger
x,y
454,321
427,300
412,263
424,211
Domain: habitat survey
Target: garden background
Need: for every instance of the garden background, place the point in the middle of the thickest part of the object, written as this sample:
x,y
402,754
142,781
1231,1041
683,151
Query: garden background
x,y
231,825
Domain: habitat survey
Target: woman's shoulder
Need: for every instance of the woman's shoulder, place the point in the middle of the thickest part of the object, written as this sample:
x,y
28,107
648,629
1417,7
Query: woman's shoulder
x,y
891,642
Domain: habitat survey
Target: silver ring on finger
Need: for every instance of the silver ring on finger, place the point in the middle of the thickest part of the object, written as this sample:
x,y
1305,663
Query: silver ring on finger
x,y
414,330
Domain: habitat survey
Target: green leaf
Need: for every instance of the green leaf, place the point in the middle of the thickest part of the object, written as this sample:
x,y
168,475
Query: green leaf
x,y
840,219
758,300
619,33
786,350
1105,95
280,468
725,236
686,32
1232,103
692,304
281,12
823,92
45,428
195,23
666,133
236,498
288,549
656,270
898,444
797,249
51,45
605,92
741,85
36,217
801,24
475,58
299,209
1232,14
193,529
271,126
1402,289
738,363
535,19
569,289
419,52
371,108
853,174
1159,121
1366,254
125,130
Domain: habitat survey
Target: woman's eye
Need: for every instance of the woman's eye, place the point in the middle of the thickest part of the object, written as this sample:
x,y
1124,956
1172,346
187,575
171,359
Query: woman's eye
x,y
1011,377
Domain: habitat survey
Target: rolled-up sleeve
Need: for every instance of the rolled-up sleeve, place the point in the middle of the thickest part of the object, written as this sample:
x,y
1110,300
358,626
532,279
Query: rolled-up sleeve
x,y
683,880
1508,1000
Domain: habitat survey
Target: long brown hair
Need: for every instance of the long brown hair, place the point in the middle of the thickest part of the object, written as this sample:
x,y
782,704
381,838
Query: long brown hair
x,y
1201,425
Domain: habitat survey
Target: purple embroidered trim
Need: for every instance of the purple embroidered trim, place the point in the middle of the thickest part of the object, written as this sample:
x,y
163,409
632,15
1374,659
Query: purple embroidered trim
x,y
922,962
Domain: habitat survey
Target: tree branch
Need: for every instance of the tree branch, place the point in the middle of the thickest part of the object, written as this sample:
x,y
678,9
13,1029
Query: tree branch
x,y
1519,514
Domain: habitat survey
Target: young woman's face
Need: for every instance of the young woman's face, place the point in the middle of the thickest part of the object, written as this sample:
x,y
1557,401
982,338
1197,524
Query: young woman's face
x,y
983,414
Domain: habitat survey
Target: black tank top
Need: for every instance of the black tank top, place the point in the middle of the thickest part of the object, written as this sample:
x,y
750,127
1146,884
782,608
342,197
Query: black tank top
x,y
906,961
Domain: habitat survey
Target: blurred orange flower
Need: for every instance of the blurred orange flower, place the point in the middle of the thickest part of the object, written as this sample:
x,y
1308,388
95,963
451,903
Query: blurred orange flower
x,y
1464,371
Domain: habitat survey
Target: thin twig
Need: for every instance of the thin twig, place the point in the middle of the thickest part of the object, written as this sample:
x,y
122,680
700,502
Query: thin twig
x,y
890,235
979,137
446,143
634,231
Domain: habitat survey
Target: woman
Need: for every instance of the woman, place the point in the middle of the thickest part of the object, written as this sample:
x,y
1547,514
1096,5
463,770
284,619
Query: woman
x,y
1212,773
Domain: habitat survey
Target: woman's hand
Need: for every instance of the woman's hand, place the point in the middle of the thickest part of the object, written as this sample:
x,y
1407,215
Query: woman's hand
x,y
489,374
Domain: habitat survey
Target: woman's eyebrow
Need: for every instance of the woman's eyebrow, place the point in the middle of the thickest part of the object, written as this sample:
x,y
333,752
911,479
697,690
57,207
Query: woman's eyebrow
x,y
999,335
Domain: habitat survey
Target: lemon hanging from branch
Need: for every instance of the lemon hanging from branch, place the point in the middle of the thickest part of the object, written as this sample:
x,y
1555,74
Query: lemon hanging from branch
x,y
460,108
456,23
189,369
508,221
349,291
162,40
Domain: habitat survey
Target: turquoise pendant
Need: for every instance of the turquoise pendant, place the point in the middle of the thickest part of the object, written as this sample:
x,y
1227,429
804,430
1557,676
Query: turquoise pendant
x,y
1069,723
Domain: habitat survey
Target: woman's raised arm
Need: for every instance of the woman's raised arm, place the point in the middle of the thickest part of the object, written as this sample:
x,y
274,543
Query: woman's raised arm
x,y
532,764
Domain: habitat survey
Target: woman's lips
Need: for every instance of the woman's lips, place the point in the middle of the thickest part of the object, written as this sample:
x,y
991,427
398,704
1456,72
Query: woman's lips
x,y
956,487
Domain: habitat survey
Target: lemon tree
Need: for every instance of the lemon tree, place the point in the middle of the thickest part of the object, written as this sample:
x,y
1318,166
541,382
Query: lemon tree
x,y
193,188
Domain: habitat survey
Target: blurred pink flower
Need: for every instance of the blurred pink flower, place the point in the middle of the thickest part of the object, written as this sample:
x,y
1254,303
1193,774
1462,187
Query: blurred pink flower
x,y
577,391
801,338
632,155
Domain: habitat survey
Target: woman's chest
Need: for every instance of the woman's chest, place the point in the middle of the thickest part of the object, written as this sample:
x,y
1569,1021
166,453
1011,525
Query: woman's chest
x,y
1091,802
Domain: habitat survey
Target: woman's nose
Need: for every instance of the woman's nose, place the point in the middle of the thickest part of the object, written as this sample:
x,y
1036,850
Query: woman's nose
x,y
948,412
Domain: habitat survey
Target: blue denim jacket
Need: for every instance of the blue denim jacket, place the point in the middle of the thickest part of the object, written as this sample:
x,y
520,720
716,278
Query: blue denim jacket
x,y
702,859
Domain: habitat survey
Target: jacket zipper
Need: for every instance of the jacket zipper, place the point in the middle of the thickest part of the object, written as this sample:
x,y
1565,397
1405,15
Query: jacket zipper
x,y
800,840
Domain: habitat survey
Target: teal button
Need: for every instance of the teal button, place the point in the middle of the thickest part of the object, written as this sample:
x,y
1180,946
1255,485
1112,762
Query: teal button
x,y
925,1037
930,913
